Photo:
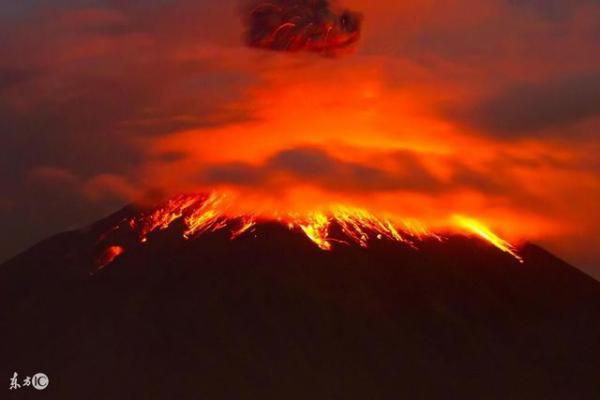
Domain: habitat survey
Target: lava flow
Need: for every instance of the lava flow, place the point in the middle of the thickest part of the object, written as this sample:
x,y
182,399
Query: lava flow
x,y
109,255
199,214
479,229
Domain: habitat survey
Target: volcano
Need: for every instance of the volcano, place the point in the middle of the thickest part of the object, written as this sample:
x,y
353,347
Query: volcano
x,y
270,315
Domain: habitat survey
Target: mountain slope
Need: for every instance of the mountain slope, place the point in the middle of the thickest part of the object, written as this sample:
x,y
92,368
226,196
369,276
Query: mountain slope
x,y
270,315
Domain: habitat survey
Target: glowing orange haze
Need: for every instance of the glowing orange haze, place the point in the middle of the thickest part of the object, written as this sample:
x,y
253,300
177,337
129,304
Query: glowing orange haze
x,y
373,131
345,110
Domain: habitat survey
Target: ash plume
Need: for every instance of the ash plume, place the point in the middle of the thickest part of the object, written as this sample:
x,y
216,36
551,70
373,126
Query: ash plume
x,y
301,25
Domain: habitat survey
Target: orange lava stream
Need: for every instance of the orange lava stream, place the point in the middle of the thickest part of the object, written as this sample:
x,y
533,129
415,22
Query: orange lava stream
x,y
338,223
109,255
479,229
162,217
316,227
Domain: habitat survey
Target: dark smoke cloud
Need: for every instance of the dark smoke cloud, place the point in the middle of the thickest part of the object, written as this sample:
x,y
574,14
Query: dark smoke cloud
x,y
300,25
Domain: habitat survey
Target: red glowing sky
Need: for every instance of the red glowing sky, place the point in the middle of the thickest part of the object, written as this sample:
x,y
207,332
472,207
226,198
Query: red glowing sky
x,y
489,109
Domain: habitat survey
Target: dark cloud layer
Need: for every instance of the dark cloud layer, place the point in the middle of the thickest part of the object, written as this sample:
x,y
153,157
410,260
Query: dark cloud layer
x,y
11,76
535,107
551,9
315,166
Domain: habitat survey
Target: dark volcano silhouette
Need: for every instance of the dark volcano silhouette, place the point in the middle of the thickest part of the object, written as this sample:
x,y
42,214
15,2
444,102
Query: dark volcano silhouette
x,y
271,316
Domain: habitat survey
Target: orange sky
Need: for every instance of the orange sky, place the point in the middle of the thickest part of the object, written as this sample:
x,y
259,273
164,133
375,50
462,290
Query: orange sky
x,y
488,110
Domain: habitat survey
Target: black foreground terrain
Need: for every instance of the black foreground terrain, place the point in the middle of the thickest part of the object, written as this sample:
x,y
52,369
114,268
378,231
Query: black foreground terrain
x,y
271,316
